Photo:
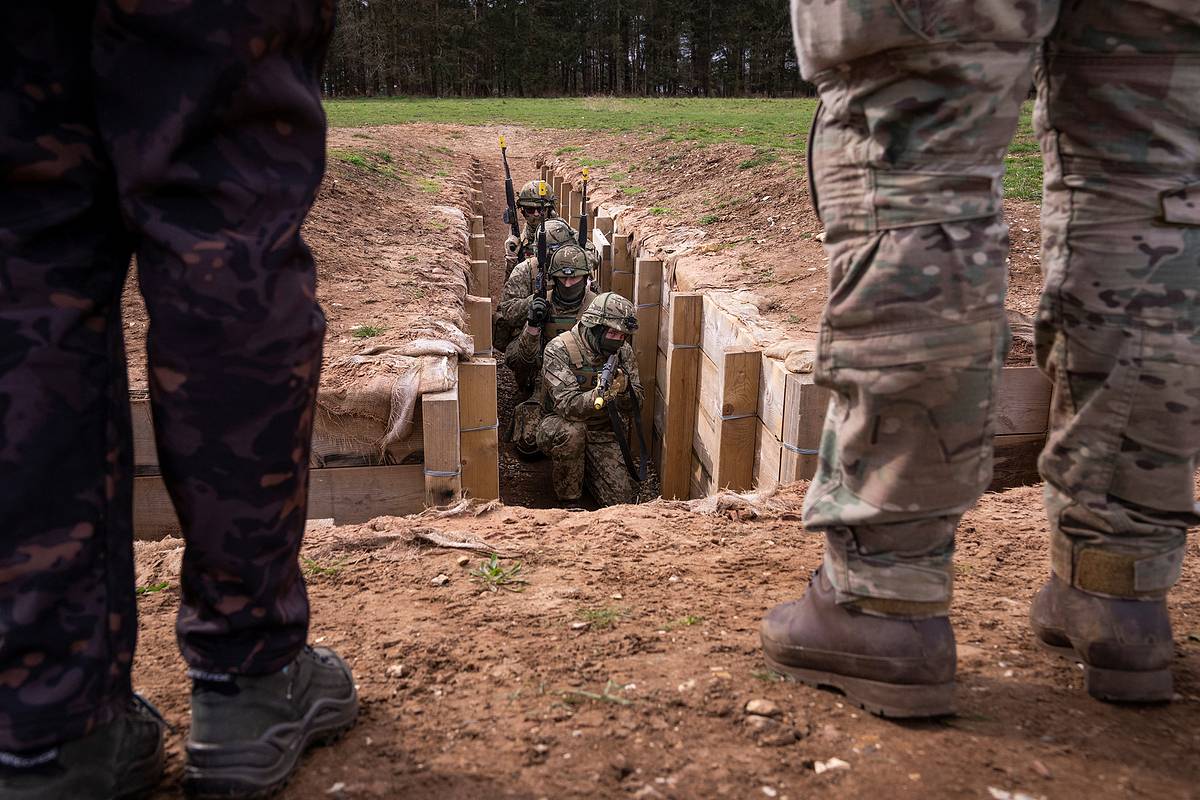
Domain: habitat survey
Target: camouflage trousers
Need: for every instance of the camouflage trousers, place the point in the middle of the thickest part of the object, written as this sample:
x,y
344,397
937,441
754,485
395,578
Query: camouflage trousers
x,y
582,455
191,135
919,101
525,371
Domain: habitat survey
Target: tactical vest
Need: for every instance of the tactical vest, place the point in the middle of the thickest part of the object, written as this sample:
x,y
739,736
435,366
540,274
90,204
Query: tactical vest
x,y
586,374
561,323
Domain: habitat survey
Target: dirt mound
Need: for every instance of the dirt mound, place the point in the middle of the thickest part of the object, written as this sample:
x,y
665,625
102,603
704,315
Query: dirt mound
x,y
625,666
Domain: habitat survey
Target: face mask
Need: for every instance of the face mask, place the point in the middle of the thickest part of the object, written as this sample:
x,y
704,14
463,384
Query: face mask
x,y
569,296
609,346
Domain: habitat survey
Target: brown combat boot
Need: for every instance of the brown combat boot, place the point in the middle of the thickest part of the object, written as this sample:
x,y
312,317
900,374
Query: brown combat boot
x,y
891,666
1125,645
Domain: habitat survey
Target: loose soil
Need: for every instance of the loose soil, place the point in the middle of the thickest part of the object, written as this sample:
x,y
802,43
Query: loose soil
x,y
624,667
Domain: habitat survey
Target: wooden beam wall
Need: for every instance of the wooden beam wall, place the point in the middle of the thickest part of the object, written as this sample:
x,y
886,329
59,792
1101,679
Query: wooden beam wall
x,y
443,464
679,393
478,428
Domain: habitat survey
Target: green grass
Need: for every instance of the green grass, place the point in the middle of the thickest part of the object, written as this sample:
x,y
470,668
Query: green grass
x,y
366,331
600,618
685,621
151,588
709,219
659,211
770,126
431,186
592,162
609,695
495,576
631,191
313,568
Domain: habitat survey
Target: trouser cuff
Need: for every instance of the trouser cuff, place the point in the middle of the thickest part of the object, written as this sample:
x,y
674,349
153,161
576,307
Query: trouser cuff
x,y
1114,573
914,580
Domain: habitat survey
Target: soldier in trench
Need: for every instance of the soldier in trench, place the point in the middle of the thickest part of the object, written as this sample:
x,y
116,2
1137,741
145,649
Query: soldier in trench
x,y
579,431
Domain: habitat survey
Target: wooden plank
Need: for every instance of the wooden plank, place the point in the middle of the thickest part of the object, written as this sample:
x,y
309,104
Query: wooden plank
x,y
605,276
1015,461
770,395
660,425
443,464
478,247
564,207
803,420
480,284
721,331
734,458
621,261
1022,401
545,173
700,482
574,204
604,223
347,496
478,428
660,372
683,366
767,457
646,296
556,186
479,323
477,224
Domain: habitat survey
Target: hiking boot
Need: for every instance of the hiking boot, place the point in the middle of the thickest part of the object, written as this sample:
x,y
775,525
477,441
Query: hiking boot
x,y
120,760
248,732
890,666
1125,645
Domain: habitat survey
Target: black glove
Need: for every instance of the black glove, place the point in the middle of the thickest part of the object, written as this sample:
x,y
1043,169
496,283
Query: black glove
x,y
539,310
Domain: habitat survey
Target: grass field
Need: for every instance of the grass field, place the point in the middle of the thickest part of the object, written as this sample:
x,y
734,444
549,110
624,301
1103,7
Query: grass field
x,y
771,126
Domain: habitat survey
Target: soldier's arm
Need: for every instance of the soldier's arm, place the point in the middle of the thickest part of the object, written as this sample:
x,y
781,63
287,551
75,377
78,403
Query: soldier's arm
x,y
593,255
529,343
571,402
514,302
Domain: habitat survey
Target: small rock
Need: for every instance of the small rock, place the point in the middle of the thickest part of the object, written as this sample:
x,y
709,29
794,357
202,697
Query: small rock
x,y
763,708
441,580
463,561
673,579
578,626
769,791
1042,769
618,596
395,671
831,764
337,788
687,685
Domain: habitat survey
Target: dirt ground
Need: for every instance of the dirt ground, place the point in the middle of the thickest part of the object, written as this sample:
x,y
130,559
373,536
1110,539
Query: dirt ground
x,y
624,668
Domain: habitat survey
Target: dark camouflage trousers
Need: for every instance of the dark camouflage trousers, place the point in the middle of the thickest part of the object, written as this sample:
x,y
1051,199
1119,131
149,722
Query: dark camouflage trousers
x,y
920,99
191,135
583,455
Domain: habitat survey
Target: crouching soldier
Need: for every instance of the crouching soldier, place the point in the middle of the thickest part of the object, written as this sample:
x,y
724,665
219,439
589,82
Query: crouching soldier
x,y
522,285
583,430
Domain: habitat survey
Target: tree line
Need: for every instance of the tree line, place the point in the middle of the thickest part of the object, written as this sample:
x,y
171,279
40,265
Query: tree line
x,y
532,48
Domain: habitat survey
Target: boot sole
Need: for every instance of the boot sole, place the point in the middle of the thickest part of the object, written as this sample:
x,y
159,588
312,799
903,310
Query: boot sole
x,y
1118,685
259,769
891,700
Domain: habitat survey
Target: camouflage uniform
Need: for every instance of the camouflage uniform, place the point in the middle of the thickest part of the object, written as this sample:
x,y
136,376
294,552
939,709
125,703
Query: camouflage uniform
x,y
919,101
578,437
519,289
207,176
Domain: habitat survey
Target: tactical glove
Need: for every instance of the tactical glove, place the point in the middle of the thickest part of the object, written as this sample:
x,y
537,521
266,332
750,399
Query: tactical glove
x,y
511,245
539,310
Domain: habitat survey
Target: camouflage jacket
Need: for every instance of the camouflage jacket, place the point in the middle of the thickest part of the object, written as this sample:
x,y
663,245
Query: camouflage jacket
x,y
568,396
528,245
521,284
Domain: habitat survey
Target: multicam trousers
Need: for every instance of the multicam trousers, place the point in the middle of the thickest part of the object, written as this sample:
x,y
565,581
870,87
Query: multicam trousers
x,y
191,135
582,455
920,99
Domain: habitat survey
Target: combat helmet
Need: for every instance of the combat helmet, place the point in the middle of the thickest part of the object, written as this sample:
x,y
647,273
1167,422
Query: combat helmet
x,y
558,233
607,310
531,195
569,261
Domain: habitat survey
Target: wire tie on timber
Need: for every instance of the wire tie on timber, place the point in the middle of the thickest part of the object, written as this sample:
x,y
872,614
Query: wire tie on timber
x,y
649,305
442,473
494,426
800,451
685,346
731,417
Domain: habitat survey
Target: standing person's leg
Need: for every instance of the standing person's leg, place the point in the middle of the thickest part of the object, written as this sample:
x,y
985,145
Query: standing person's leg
x,y
1119,332
212,116
68,725
919,103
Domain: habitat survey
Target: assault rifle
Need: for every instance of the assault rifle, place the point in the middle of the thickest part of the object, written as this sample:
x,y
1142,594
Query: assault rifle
x,y
607,375
543,256
583,213
510,213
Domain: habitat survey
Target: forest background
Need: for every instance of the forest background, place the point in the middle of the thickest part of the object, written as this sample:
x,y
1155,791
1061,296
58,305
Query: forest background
x,y
539,48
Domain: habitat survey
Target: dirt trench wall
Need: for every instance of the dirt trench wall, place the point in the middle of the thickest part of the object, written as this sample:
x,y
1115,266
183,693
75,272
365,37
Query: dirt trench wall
x,y
735,405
